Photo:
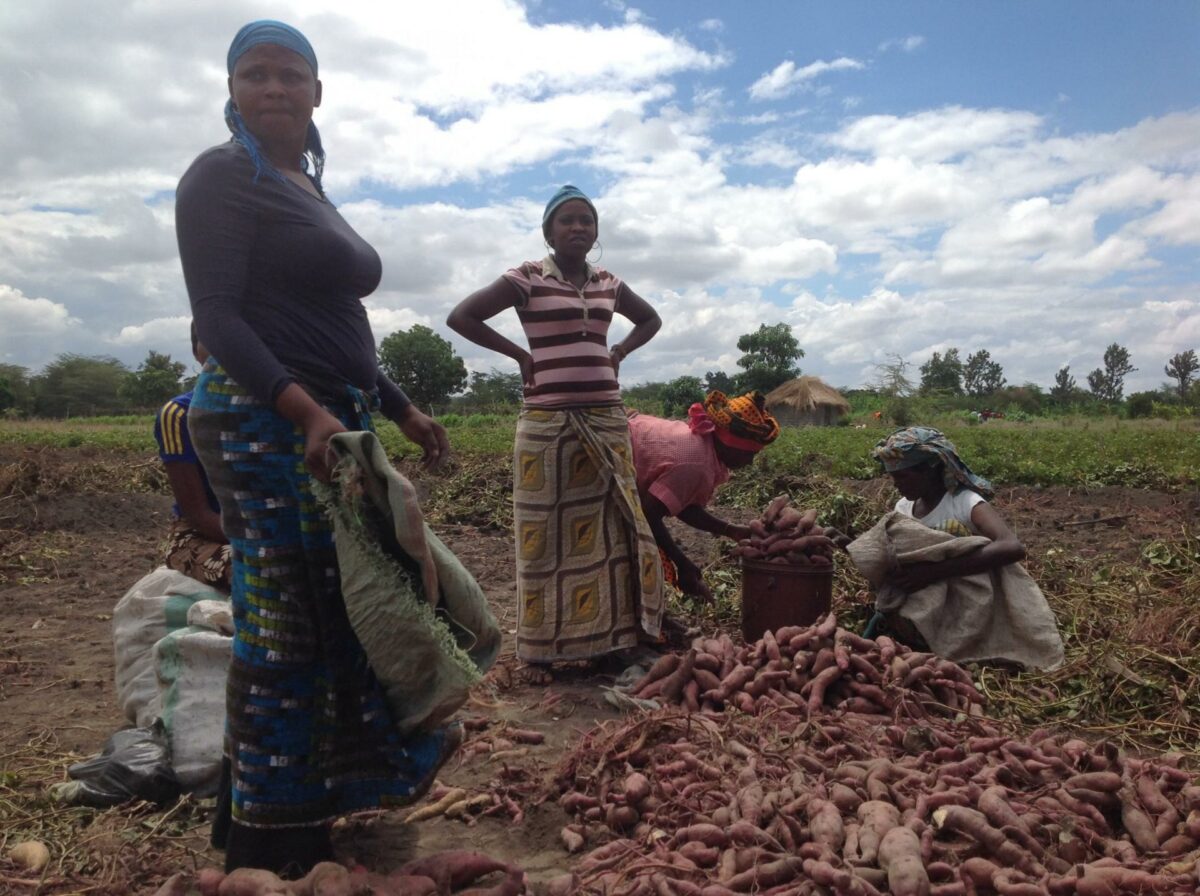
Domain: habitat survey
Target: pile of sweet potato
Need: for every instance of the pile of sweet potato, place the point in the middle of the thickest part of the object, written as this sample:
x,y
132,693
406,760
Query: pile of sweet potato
x,y
786,534
437,875
803,669
835,801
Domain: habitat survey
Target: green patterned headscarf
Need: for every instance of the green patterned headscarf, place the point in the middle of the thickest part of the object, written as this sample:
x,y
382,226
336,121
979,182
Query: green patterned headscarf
x,y
916,445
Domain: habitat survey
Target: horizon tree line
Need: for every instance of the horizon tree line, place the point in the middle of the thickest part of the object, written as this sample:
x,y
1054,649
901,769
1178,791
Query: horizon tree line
x,y
425,365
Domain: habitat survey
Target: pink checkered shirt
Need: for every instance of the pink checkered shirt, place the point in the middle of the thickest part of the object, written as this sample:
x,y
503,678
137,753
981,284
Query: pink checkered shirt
x,y
674,464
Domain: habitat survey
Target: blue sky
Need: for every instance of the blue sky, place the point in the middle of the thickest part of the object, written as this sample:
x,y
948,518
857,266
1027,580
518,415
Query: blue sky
x,y
888,178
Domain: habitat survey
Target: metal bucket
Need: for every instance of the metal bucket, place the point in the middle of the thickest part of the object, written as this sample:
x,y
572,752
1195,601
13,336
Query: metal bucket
x,y
777,594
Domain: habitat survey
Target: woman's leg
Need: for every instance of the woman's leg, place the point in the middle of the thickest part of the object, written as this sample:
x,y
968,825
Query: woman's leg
x,y
289,852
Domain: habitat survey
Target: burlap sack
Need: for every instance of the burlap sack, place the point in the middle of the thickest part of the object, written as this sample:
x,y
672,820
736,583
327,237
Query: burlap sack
x,y
997,615
421,617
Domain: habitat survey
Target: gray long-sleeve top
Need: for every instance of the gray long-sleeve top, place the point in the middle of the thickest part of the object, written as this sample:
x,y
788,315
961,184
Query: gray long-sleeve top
x,y
276,279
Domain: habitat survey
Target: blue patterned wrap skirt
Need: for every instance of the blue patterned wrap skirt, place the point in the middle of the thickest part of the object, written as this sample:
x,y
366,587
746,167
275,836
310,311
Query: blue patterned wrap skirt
x,y
307,728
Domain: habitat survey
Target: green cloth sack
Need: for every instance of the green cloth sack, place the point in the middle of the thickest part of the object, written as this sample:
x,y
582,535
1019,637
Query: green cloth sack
x,y
422,619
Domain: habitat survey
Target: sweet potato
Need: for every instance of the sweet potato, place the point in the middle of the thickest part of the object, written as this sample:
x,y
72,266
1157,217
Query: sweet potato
x,y
435,809
825,824
875,818
636,788
459,866
819,685
513,884
1006,884
1108,782
974,824
765,875
900,857
674,683
702,856
1137,822
1108,881
662,667
773,509
253,882
405,885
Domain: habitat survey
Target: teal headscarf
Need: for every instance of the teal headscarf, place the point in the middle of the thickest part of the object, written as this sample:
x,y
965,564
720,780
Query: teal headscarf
x,y
269,31
565,193
916,445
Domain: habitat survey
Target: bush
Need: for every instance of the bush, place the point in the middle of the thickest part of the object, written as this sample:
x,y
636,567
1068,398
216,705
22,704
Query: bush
x,y
899,410
1140,404
1170,410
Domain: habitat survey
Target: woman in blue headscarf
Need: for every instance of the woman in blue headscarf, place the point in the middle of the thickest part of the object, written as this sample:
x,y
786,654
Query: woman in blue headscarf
x,y
276,279
589,580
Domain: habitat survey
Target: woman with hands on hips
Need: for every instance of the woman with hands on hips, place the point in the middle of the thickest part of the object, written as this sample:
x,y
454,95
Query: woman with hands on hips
x,y
589,581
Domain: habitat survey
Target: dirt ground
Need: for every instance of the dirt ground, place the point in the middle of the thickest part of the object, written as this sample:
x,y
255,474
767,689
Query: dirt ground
x,y
67,554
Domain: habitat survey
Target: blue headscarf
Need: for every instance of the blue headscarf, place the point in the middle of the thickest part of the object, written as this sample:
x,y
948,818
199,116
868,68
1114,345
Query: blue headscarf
x,y
916,445
565,193
269,31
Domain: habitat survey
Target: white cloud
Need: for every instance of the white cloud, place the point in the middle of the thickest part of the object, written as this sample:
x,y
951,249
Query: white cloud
x,y
909,44
898,231
785,79
938,134
31,321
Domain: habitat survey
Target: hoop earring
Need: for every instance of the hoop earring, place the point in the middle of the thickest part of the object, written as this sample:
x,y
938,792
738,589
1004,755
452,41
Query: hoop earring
x,y
595,245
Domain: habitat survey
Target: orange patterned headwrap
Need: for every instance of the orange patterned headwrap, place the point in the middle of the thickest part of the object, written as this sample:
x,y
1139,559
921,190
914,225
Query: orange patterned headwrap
x,y
741,422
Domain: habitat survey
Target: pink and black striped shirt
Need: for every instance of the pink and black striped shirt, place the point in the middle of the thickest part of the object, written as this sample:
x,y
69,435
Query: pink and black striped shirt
x,y
567,329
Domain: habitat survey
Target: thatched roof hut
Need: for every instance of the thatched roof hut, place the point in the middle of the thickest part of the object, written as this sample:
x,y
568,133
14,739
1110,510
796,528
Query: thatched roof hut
x,y
806,401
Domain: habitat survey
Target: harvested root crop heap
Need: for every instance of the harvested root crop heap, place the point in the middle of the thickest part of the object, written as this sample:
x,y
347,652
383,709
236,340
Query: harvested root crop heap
x,y
785,534
860,767
437,875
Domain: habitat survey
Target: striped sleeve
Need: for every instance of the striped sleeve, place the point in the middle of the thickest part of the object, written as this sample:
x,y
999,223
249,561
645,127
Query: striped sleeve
x,y
171,433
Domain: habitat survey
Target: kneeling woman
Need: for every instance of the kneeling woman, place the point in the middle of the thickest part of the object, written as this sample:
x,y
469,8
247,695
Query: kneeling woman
x,y
966,597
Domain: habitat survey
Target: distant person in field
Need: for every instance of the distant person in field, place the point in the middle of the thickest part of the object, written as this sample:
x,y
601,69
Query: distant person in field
x,y
680,464
197,548
589,582
966,597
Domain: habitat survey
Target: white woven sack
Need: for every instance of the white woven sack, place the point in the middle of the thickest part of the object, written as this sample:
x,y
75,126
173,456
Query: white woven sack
x,y
158,603
192,665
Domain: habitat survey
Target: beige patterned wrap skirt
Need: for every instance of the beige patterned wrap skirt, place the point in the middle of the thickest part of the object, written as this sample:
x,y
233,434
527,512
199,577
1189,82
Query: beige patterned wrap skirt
x,y
589,580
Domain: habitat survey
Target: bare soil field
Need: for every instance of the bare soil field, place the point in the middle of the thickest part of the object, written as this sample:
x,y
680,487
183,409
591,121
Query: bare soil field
x,y
78,528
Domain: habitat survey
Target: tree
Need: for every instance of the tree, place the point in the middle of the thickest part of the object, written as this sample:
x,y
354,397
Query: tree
x,y
16,396
680,394
154,382
423,364
1183,367
644,397
942,373
1109,384
770,358
891,377
75,385
720,381
494,389
981,375
1064,389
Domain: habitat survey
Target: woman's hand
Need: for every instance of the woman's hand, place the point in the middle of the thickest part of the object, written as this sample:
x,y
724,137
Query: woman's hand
x,y
737,533
525,362
911,579
317,424
691,583
318,428
425,432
